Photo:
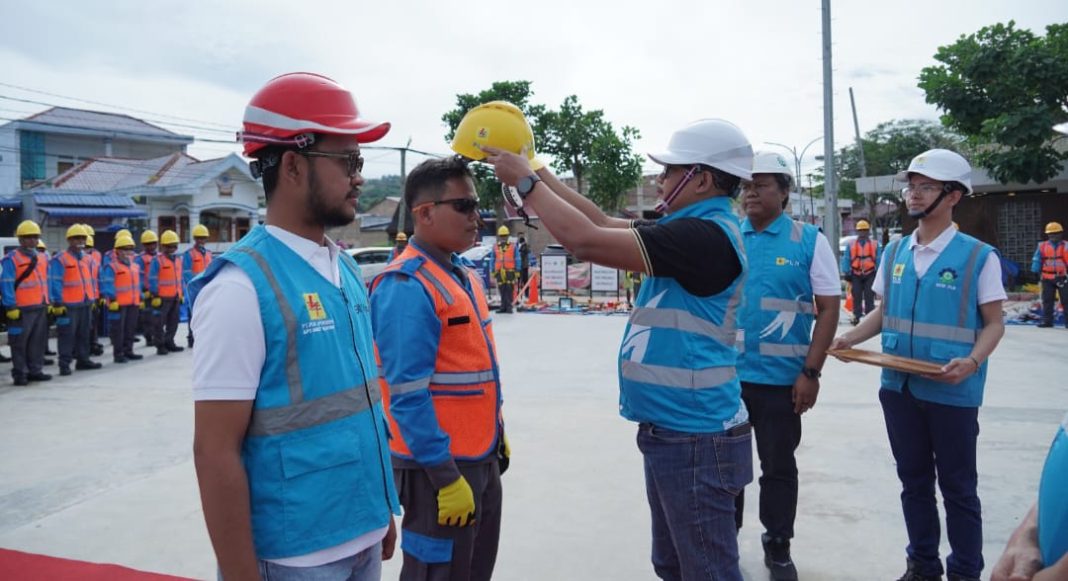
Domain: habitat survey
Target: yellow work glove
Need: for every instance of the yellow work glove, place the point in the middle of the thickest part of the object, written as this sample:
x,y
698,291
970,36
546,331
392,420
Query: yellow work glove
x,y
504,453
141,306
59,311
156,302
456,504
113,306
13,314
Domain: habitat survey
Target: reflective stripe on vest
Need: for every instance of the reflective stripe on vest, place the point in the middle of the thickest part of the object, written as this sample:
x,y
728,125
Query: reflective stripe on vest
x,y
863,257
77,278
465,385
33,290
169,276
1054,260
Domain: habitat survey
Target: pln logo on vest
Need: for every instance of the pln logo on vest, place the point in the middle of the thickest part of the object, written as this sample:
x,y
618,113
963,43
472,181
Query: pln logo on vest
x,y
947,279
899,271
317,313
783,261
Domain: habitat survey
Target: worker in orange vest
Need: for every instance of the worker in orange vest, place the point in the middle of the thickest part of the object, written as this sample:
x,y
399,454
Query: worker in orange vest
x,y
1051,262
24,287
505,268
165,290
120,286
148,316
71,288
399,244
432,326
98,320
194,261
859,263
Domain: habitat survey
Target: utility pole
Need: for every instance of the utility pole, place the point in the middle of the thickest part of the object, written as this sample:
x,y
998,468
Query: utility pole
x,y
831,227
401,216
860,151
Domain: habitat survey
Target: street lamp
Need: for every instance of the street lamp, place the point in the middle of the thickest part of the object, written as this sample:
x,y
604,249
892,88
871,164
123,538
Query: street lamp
x,y
797,165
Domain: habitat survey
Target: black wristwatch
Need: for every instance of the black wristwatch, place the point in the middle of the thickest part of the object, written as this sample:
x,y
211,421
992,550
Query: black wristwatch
x,y
811,372
526,185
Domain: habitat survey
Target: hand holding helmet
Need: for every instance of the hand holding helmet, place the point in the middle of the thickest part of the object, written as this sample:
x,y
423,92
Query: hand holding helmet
x,y
497,124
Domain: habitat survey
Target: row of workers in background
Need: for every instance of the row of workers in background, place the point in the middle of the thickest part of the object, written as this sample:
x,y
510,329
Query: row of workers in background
x,y
87,294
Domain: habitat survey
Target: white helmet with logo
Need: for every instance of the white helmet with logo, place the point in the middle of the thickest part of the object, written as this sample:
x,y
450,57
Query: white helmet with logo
x,y
942,165
712,142
771,162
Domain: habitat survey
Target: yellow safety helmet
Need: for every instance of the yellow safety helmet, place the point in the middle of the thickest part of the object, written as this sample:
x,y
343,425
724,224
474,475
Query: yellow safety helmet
x,y
76,230
503,231
496,124
169,237
89,229
89,243
124,232
200,231
148,237
1051,228
124,240
41,245
401,237
28,228
863,225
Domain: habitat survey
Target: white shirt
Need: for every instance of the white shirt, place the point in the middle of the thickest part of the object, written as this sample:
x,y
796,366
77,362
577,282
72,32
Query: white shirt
x,y
823,274
990,287
231,350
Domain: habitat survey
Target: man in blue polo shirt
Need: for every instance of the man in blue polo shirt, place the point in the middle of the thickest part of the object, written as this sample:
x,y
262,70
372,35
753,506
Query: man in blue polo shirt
x,y
942,296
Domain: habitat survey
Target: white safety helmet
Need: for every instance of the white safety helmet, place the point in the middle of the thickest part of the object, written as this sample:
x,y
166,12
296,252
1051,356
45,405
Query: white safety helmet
x,y
771,162
1062,128
712,142
942,165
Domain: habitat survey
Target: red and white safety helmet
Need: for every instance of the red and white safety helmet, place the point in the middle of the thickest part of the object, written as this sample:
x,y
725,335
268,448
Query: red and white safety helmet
x,y
290,108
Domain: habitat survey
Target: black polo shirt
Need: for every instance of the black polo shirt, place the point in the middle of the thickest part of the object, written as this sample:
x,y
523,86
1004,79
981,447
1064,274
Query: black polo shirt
x,y
697,253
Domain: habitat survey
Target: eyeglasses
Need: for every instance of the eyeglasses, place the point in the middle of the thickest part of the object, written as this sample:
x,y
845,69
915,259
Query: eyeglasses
x,y
461,205
353,159
922,190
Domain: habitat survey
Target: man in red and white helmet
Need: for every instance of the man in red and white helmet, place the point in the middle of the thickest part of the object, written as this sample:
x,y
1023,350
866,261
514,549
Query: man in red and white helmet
x,y
290,438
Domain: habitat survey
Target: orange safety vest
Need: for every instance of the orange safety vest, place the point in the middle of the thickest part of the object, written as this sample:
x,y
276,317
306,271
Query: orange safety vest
x,y
863,257
77,278
33,290
127,282
1054,260
94,272
504,257
144,262
169,276
201,260
464,387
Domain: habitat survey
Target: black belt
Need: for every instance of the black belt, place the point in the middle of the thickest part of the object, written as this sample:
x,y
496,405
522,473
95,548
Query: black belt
x,y
739,430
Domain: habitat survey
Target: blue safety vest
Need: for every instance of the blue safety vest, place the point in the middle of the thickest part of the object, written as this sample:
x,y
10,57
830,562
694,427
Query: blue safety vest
x,y
677,360
776,321
1052,500
934,318
316,448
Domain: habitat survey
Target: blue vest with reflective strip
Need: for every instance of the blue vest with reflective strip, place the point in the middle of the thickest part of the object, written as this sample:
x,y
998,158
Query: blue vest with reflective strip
x,y
676,363
1053,500
935,318
776,320
316,448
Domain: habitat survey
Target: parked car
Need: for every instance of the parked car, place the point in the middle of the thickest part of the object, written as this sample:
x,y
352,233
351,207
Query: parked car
x,y
372,260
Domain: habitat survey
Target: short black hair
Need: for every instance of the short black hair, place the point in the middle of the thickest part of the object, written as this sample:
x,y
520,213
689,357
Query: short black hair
x,y
428,179
724,181
270,162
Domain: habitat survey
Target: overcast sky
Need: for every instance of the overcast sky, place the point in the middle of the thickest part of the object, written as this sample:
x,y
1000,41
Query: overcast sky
x,y
653,65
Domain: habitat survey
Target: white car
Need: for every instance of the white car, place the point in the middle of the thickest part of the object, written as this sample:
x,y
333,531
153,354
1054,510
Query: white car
x,y
372,260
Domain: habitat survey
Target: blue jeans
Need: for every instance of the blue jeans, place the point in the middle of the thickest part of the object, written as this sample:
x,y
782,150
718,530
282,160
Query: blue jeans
x,y
691,481
935,442
363,566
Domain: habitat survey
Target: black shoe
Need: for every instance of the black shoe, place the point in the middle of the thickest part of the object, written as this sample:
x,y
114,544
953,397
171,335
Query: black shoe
x,y
87,364
137,340
48,361
189,342
4,359
161,351
97,349
50,352
38,377
911,574
64,370
134,356
955,577
1045,325
854,321
20,381
777,558
175,348
120,359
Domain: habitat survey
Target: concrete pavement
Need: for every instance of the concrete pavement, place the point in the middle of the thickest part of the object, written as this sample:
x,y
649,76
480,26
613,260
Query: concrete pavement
x,y
97,466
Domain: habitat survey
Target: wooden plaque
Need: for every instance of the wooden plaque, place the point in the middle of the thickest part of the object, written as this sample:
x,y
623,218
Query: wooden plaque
x,y
894,362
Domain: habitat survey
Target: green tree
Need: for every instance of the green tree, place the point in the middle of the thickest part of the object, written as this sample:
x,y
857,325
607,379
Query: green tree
x,y
378,189
1004,89
890,147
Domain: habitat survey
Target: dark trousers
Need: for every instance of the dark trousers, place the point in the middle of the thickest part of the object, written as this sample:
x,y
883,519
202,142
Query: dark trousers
x,y
123,327
506,286
437,553
524,277
28,337
98,324
147,320
778,433
1049,287
863,295
934,442
166,322
72,330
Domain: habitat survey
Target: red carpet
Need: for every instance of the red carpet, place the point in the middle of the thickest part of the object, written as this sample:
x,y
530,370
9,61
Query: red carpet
x,y
19,566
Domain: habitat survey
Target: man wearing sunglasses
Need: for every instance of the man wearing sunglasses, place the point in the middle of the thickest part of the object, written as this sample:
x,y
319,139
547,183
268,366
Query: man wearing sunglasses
x,y
942,297
290,438
432,327
677,372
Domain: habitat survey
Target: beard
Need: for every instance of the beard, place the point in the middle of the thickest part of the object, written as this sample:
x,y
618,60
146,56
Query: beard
x,y
321,213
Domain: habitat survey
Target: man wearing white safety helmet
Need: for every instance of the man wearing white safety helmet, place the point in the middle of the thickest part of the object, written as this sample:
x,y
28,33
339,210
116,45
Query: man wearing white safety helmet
x,y
677,372
942,296
792,283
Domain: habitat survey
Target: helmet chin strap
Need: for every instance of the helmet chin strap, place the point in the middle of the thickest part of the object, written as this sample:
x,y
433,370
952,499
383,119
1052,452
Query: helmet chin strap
x,y
927,211
663,205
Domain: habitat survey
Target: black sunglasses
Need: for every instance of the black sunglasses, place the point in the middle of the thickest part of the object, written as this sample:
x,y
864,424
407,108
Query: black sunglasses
x,y
461,205
353,159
